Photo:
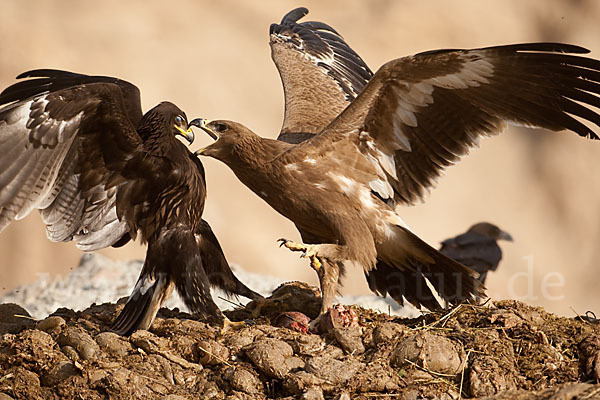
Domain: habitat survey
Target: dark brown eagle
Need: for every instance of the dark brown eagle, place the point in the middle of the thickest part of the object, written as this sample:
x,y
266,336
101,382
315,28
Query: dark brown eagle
x,y
384,147
477,248
78,148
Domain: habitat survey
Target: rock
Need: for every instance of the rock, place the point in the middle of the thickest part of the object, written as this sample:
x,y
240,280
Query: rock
x,y
211,352
113,344
589,356
333,371
388,332
241,339
377,377
13,313
14,318
430,351
61,371
163,367
80,340
487,378
273,357
298,382
350,339
342,396
96,376
308,345
4,396
52,324
244,381
313,393
20,383
175,397
70,352
148,341
38,347
210,390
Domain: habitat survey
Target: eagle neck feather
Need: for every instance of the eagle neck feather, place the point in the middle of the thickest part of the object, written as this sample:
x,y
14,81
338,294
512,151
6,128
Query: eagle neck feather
x,y
256,152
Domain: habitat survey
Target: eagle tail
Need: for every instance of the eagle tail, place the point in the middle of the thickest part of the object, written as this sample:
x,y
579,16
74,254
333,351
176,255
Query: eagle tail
x,y
422,274
144,302
216,266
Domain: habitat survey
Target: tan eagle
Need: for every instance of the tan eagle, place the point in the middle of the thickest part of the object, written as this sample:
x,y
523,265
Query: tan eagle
x,y
369,145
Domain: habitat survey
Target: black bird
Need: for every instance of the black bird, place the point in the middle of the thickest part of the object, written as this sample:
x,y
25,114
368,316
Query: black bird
x,y
477,248
78,148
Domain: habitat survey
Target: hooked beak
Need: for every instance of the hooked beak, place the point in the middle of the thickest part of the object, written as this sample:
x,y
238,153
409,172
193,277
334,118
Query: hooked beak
x,y
203,124
505,236
187,135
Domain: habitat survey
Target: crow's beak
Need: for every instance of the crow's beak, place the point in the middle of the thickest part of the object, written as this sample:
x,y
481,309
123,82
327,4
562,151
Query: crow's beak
x,y
505,236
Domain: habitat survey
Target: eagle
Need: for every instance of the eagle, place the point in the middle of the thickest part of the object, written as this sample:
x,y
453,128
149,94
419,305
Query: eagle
x,y
79,149
366,151
477,248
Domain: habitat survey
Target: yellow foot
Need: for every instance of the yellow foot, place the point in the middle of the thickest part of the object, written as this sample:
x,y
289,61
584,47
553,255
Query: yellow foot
x,y
230,325
308,251
293,246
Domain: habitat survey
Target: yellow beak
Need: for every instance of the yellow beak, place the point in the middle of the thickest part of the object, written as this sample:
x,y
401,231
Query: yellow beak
x,y
187,135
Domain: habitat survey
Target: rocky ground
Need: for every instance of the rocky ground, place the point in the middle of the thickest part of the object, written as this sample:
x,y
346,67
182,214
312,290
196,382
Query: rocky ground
x,y
500,350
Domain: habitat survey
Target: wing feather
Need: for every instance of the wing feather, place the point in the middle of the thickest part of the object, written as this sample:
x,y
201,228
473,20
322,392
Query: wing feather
x,y
62,137
320,73
420,114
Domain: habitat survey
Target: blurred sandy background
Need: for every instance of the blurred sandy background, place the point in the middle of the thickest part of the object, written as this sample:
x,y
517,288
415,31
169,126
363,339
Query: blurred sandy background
x,y
212,59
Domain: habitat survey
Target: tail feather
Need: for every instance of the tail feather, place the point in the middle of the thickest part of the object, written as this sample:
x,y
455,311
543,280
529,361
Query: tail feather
x,y
386,280
409,277
144,302
216,265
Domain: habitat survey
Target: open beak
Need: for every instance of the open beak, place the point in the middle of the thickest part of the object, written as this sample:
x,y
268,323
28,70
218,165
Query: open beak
x,y
203,124
187,135
505,236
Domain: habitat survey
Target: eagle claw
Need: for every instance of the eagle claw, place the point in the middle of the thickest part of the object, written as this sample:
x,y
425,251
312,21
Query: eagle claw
x,y
308,251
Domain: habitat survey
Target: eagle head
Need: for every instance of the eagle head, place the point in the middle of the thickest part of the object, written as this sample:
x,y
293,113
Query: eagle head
x,y
228,136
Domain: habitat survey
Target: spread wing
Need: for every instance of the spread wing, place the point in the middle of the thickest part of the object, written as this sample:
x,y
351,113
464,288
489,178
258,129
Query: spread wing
x,y
62,137
420,114
320,73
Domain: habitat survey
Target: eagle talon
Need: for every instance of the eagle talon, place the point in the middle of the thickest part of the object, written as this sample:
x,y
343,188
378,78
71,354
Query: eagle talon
x,y
293,246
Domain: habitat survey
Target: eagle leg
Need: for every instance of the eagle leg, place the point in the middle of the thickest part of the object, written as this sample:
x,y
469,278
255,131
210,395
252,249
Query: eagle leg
x,y
327,270
329,275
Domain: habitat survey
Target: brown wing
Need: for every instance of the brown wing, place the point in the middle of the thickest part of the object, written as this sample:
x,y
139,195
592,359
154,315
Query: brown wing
x,y
420,114
59,146
320,73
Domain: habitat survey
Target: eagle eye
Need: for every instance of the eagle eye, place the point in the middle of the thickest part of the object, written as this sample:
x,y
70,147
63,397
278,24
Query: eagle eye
x,y
220,127
179,120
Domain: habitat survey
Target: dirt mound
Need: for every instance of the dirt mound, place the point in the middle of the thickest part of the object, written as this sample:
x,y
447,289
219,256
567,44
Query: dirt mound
x,y
504,350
